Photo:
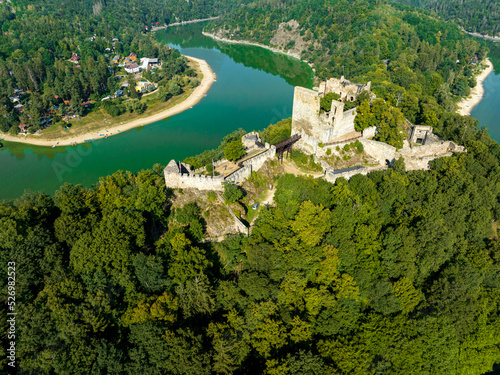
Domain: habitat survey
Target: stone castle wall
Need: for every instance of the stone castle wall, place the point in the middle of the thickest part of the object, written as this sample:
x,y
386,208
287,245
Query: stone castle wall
x,y
189,179
345,126
331,175
347,90
252,164
418,157
378,150
315,127
305,113
177,180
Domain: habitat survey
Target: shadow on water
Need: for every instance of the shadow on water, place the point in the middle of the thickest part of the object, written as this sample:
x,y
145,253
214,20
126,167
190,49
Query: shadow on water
x,y
294,71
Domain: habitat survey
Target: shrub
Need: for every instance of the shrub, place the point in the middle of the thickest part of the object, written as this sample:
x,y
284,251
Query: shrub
x,y
234,150
232,193
320,144
328,151
211,197
359,146
347,147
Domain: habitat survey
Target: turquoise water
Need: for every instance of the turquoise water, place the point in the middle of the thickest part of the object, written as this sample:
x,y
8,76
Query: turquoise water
x,y
254,88
488,109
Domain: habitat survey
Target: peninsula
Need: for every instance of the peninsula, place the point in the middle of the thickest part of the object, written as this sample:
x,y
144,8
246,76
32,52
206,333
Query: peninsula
x,y
194,97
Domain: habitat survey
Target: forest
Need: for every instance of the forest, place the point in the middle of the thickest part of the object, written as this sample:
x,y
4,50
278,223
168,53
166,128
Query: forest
x,y
481,16
396,272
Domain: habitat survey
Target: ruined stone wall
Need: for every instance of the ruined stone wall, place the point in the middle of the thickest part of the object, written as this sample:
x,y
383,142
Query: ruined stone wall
x,y
252,164
176,180
315,127
345,126
331,176
378,150
196,181
307,144
370,132
419,157
347,90
305,113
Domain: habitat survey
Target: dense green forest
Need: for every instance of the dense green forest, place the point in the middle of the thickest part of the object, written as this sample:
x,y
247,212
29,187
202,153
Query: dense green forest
x,y
482,16
395,272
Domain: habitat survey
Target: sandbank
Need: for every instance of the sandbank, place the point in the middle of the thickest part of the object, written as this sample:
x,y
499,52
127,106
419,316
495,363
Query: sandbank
x,y
465,105
197,94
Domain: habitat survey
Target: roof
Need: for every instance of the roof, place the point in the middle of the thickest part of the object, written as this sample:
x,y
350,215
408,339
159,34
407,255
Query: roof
x,y
132,66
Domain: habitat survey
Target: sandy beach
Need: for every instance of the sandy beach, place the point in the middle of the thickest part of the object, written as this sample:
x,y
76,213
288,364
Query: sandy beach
x,y
465,106
197,94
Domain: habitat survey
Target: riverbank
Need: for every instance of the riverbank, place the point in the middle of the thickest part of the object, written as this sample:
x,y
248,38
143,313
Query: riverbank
x,y
155,28
197,94
246,42
466,105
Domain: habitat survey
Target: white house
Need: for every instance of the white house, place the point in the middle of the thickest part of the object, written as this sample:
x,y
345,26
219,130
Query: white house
x,y
133,68
150,63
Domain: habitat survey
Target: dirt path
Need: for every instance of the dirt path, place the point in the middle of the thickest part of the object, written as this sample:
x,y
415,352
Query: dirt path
x,y
198,93
292,169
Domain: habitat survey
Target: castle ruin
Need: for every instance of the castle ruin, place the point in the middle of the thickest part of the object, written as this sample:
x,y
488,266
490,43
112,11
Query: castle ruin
x,y
347,90
180,175
316,127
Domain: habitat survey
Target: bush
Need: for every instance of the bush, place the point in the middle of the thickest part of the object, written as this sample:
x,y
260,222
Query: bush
x,y
359,146
234,150
187,213
328,151
232,193
277,132
347,147
320,144
211,196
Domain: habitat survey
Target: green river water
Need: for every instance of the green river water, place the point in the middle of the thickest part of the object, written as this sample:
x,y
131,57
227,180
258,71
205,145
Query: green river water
x,y
488,110
254,88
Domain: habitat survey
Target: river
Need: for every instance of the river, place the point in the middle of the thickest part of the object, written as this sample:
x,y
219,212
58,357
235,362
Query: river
x,y
254,88
488,110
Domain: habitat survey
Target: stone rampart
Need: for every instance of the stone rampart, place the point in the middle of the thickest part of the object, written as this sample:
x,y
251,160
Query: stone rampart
x,y
180,177
418,157
378,150
240,227
331,175
251,165
345,126
370,132
347,90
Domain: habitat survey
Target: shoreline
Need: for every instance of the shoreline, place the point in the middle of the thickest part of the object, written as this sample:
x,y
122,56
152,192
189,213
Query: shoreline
x,y
466,105
156,28
246,42
195,97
